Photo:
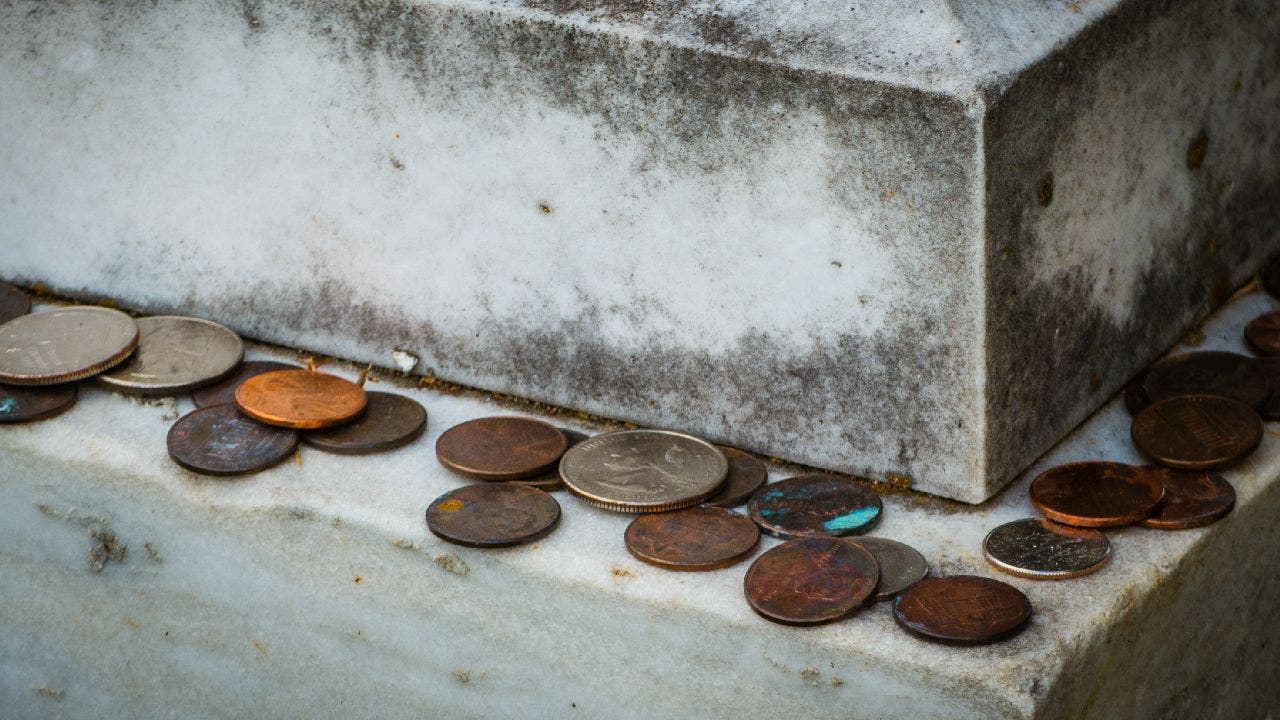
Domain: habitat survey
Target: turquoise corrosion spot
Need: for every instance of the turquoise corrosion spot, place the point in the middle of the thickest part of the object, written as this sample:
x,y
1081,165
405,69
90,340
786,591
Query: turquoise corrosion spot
x,y
852,520
8,405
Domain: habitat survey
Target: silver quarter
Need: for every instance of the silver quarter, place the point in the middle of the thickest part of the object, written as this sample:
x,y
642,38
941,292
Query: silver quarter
x,y
644,470
176,354
64,345
1044,550
901,565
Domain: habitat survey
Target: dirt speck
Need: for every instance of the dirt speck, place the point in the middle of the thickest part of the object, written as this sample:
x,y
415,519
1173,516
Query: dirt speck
x,y
452,563
1197,151
109,549
49,692
405,545
395,163
152,554
621,572
257,645
811,676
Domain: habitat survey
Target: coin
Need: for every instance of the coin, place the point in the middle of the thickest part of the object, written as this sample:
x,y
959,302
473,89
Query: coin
x,y
493,515
746,475
501,448
695,538
1270,366
644,470
901,566
1192,499
1197,432
25,404
1263,334
176,354
1096,494
1208,373
223,392
389,421
64,345
1041,549
220,440
962,609
551,479
301,399
1135,397
1269,276
810,580
815,505
13,303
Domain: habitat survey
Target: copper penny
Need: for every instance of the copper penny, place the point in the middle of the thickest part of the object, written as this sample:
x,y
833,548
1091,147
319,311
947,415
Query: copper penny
x,y
1263,334
389,421
1208,373
302,399
1269,276
1096,494
220,440
1135,397
811,580
962,609
696,538
1042,549
13,303
26,404
1197,432
901,565
551,479
815,505
501,448
1270,366
1192,499
493,515
746,475
224,392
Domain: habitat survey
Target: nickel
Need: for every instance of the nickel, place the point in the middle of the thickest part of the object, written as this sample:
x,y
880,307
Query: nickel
x,y
1197,432
901,565
815,505
811,580
1041,549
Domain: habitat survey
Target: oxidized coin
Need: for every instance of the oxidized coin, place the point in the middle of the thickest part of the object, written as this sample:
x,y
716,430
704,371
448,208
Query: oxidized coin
x,y
501,448
1192,499
964,609
644,470
1135,397
815,505
1270,366
696,538
64,345
13,303
746,475
389,421
1044,550
25,404
1096,494
176,354
551,480
1269,276
1208,373
1197,432
223,392
811,580
493,515
219,440
1263,334
901,566
302,399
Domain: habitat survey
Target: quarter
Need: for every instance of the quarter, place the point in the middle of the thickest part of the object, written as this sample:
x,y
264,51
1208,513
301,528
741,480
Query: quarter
x,y
1096,494
501,448
223,392
493,515
176,354
27,404
1041,549
901,565
696,538
301,399
644,470
746,475
13,303
1192,499
65,345
220,440
1263,334
962,609
1197,432
810,580
815,505
1208,373
389,421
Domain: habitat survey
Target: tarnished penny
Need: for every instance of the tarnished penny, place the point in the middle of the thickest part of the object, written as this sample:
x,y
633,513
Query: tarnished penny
x,y
176,354
1197,432
223,392
1269,276
389,421
815,505
1041,549
746,475
493,515
1270,366
220,440
1096,494
1193,498
501,448
1263,334
13,303
696,538
811,580
65,345
1135,396
301,399
901,565
962,609
551,480
644,470
26,404
1208,373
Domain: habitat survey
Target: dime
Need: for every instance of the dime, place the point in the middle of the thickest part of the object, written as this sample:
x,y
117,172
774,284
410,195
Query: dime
x,y
1269,276
644,470
1208,373
551,480
302,399
1096,494
25,404
746,475
1135,397
176,354
963,609
1270,366
493,515
696,538
219,440
389,421
501,448
13,303
1197,432
223,392
1041,549
901,566
64,345
1263,334
810,580
815,505
1192,499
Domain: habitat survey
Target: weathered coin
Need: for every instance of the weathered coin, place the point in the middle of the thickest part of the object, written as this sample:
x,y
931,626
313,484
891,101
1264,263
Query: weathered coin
x,y
1135,397
551,479
301,399
1263,334
815,505
1041,549
1269,276
1270,366
644,470
1096,494
695,538
501,448
64,345
223,392
389,421
1208,373
493,515
901,565
811,580
220,440
1193,498
746,475
176,354
26,404
13,303
962,609
1197,432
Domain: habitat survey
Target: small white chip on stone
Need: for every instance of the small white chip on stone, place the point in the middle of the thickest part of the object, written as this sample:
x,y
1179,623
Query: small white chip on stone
x,y
405,361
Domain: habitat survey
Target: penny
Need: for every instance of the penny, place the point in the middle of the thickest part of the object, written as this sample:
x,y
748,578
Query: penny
x,y
1135,397
962,609
815,505
696,538
26,404
301,399
1208,373
65,345
1041,549
501,448
176,354
551,479
746,475
220,440
1096,494
493,515
1192,499
1263,334
13,303
1269,276
389,421
223,392
810,580
644,470
1270,366
901,565
1197,432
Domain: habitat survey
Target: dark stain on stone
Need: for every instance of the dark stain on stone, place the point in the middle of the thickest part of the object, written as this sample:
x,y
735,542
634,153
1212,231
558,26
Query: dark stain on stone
x,y
396,164
251,11
1044,193
1197,150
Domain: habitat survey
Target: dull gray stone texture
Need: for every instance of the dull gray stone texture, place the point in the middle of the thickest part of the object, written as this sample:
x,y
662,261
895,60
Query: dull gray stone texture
x,y
918,240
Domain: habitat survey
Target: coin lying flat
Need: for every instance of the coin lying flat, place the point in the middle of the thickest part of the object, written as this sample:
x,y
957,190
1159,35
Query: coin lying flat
x,y
176,354
551,479
1135,397
501,448
27,404
493,515
746,475
301,399
1270,366
1269,276
644,470
901,565
64,345
1208,373
696,538
1192,499
1197,432
815,505
389,421
223,392
962,609
1096,494
13,303
1041,549
811,580
1263,334
220,440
